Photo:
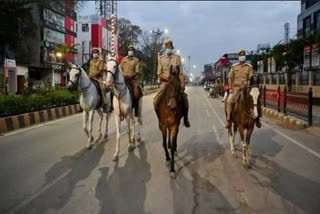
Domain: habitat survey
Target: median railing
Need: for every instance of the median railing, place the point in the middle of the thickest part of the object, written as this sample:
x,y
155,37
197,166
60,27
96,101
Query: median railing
x,y
288,102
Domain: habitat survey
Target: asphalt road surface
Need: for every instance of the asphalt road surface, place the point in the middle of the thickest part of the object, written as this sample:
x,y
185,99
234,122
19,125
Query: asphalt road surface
x,y
46,169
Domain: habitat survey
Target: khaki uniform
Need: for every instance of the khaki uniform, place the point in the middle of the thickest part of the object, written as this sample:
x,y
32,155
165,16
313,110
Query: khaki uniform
x,y
239,75
164,64
96,65
130,69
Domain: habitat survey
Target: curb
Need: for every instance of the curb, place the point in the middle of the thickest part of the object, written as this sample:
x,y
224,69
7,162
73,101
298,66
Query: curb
x,y
285,119
28,119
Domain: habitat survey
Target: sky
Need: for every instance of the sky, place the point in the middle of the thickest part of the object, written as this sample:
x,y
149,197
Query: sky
x,y
205,30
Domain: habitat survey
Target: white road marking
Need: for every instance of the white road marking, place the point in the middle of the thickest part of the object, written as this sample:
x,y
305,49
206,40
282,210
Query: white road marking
x,y
217,134
277,131
294,141
38,193
208,113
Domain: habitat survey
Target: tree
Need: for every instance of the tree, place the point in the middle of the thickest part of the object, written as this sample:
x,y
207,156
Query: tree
x,y
151,44
278,55
128,34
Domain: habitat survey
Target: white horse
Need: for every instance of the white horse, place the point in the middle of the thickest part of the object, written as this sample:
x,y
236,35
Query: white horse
x,y
122,105
89,101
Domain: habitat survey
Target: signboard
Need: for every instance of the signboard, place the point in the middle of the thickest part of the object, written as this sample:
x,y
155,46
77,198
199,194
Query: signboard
x,y
53,36
306,57
315,61
9,63
53,18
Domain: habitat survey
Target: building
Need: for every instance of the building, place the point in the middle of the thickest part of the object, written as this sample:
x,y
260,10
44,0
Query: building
x,y
93,32
56,25
208,72
308,24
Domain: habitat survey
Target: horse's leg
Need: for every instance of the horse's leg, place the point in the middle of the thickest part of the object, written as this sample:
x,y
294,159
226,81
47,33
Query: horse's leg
x,y
85,122
130,122
248,136
100,123
90,120
244,157
173,140
107,122
232,134
139,124
164,144
116,154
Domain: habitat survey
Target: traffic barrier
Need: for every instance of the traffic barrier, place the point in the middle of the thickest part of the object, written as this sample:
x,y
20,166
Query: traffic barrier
x,y
28,119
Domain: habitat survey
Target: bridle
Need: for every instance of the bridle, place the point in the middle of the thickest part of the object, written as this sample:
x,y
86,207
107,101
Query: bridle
x,y
76,83
175,96
115,78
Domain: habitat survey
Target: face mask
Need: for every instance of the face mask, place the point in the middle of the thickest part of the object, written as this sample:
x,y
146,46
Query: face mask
x,y
169,51
95,55
130,53
242,58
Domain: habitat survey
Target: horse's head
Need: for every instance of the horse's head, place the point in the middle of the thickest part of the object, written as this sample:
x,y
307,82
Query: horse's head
x,y
112,71
254,94
173,90
74,77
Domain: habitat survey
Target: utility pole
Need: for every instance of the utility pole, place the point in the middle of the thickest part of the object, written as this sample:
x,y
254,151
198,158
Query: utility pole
x,y
189,65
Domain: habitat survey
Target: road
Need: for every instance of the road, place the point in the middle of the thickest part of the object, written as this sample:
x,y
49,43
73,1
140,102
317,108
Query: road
x,y
45,169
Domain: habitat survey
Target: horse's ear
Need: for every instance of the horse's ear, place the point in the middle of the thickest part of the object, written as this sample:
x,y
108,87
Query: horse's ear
x,y
69,64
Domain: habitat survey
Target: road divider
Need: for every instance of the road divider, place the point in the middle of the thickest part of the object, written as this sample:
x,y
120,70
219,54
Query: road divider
x,y
15,122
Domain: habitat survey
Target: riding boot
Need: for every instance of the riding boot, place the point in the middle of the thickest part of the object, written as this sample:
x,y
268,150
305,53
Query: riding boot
x,y
136,108
186,110
110,107
258,122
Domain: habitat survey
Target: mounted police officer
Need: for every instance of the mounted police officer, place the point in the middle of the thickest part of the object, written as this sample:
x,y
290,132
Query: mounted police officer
x,y
96,72
239,76
167,60
130,69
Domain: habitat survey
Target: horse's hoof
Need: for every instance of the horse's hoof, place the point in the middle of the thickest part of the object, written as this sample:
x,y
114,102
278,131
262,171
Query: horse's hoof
x,y
131,148
115,158
173,175
138,139
167,163
89,146
234,155
245,165
105,136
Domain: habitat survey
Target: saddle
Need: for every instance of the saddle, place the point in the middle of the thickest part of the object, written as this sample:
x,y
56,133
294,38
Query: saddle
x,y
131,92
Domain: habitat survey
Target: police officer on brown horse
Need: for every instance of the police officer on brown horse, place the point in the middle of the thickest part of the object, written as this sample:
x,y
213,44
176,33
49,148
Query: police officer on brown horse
x,y
130,70
165,62
239,76
96,72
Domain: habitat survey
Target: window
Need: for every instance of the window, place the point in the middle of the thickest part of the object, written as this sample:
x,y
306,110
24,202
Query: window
x,y
307,27
85,27
76,27
317,21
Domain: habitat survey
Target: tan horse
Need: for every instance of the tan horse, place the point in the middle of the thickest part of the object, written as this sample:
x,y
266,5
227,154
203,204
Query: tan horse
x,y
243,118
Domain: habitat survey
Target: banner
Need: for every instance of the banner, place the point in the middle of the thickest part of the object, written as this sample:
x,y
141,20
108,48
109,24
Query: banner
x,y
315,60
306,57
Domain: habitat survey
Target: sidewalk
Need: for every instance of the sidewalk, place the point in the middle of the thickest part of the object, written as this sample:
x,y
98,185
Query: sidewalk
x,y
316,115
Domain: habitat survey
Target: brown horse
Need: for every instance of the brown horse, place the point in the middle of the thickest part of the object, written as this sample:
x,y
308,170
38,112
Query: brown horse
x,y
243,117
170,114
